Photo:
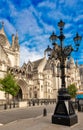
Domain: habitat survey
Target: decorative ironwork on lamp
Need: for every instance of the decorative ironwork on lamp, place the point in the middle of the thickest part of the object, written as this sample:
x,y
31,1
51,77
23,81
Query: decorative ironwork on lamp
x,y
64,113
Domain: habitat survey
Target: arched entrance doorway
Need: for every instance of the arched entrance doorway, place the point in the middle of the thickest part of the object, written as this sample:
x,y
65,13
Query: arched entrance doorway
x,y
23,92
19,95
35,94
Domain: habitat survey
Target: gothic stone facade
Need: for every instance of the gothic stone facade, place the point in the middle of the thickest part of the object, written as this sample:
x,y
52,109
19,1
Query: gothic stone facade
x,y
41,79
37,80
9,54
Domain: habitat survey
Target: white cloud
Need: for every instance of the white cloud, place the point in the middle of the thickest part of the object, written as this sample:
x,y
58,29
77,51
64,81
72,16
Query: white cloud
x,y
24,20
13,11
46,27
26,55
68,25
47,4
61,1
32,24
8,27
27,24
80,17
71,3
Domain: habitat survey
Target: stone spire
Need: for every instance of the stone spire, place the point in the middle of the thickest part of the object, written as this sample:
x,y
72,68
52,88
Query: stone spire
x,y
15,43
77,63
2,27
13,38
2,24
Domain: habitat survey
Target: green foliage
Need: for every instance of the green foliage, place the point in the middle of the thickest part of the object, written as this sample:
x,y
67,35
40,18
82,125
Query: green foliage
x,y
9,85
72,90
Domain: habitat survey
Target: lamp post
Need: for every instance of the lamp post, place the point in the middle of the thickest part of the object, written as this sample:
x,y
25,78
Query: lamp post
x,y
64,112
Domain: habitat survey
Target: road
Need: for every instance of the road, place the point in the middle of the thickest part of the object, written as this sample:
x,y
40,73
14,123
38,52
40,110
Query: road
x,y
10,115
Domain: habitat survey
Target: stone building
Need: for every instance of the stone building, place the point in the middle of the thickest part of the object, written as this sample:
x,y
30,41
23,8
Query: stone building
x,y
37,80
9,54
81,76
41,79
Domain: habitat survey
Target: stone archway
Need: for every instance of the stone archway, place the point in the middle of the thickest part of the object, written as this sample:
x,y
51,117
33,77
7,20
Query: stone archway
x,y
19,95
35,94
23,92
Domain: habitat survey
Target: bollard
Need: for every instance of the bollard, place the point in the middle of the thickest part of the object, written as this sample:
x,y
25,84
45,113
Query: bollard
x,y
5,106
33,103
29,103
13,104
44,112
79,107
10,105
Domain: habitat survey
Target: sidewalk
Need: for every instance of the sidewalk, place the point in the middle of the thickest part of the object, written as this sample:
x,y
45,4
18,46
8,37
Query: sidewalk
x,y
41,123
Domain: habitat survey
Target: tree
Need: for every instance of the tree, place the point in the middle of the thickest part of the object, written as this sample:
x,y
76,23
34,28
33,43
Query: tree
x,y
72,90
9,85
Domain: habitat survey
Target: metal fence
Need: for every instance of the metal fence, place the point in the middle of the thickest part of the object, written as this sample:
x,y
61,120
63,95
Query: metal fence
x,y
30,102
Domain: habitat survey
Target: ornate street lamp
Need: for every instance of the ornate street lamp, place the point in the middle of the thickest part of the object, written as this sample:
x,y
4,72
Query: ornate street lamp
x,y
64,113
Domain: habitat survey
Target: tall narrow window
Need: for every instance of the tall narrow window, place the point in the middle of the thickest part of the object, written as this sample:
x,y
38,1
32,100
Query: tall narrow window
x,y
29,68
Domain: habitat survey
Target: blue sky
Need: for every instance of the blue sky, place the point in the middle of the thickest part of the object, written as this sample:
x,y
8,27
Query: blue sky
x,y
35,20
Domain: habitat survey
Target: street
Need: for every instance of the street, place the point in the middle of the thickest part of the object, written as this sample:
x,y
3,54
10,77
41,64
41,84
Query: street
x,y
10,115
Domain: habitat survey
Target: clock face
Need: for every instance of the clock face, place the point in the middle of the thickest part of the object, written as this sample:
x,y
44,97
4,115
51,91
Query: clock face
x,y
2,39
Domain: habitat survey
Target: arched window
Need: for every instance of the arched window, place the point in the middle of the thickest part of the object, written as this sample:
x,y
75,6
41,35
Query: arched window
x,y
29,68
58,69
35,94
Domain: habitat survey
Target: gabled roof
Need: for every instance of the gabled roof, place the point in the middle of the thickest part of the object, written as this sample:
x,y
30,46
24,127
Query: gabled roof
x,y
36,63
48,66
24,65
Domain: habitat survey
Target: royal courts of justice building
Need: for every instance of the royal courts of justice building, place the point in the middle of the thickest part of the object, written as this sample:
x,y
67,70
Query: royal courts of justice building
x,y
39,79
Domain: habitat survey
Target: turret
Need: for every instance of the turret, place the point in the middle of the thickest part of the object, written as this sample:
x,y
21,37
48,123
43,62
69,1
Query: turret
x,y
13,38
2,25
2,28
77,64
15,43
71,63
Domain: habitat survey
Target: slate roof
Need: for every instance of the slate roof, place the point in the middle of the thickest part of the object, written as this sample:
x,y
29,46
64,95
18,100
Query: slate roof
x,y
48,66
36,63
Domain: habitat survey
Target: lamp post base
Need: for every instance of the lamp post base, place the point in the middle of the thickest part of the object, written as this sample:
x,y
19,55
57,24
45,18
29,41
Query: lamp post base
x,y
64,113
65,120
